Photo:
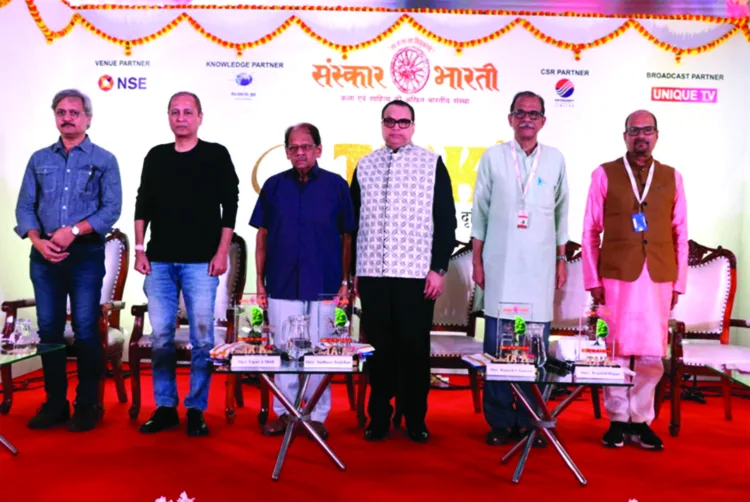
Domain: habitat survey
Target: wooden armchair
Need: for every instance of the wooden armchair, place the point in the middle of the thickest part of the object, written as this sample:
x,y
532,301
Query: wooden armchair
x,y
702,315
116,259
453,329
569,304
228,294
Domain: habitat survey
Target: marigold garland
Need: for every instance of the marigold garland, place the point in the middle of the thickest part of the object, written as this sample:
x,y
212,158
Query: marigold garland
x,y
740,25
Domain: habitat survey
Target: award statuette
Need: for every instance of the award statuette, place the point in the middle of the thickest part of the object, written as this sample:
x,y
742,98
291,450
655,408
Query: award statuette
x,y
335,349
514,361
597,363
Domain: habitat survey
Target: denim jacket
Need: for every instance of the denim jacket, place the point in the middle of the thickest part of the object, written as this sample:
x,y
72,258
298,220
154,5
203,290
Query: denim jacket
x,y
60,189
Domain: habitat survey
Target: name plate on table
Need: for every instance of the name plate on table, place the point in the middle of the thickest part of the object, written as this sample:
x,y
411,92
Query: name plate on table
x,y
249,362
329,362
501,371
599,373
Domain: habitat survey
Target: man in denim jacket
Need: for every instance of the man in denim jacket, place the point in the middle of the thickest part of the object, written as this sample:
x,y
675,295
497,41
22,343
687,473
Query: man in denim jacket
x,y
70,198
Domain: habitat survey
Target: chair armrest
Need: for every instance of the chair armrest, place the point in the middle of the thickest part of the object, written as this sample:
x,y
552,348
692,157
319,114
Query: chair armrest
x,y
11,306
139,310
739,323
112,306
676,333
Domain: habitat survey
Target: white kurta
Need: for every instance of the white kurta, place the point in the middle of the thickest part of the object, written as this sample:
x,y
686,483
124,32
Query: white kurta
x,y
519,264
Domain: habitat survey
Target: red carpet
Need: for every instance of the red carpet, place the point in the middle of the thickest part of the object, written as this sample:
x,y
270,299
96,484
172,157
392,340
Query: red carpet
x,y
709,461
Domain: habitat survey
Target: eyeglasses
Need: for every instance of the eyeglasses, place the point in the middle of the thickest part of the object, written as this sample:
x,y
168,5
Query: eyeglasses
x,y
522,114
305,148
634,131
73,113
402,123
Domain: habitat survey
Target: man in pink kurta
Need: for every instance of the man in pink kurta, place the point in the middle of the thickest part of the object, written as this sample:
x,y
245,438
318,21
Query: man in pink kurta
x,y
638,273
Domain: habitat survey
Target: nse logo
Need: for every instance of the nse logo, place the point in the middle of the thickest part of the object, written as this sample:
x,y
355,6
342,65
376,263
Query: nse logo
x,y
107,83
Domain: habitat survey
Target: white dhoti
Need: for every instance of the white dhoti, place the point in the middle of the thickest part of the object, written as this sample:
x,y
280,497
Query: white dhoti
x,y
635,404
278,312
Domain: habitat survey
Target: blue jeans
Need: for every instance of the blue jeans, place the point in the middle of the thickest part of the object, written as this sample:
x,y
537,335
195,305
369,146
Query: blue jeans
x,y
79,276
500,407
162,287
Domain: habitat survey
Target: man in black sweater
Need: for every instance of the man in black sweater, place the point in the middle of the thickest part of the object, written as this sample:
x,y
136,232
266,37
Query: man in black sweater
x,y
189,192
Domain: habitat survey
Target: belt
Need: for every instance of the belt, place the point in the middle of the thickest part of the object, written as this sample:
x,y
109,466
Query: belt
x,y
92,238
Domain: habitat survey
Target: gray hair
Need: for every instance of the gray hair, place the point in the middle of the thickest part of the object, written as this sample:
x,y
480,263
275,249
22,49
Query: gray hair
x,y
198,105
73,93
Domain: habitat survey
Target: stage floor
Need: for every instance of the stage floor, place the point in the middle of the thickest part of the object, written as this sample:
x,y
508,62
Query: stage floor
x,y
709,461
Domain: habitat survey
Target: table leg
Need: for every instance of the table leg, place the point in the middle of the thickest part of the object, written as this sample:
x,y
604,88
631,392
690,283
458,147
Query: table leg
x,y
300,417
521,444
289,433
7,444
545,425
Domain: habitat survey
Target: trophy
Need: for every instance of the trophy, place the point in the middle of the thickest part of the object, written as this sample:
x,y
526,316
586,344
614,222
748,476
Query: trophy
x,y
333,327
511,336
254,334
594,349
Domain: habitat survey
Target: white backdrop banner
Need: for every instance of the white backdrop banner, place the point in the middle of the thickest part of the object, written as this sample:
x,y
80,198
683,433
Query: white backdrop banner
x,y
461,99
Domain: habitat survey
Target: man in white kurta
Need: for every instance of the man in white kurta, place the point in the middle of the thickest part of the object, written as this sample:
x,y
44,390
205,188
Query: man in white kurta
x,y
519,232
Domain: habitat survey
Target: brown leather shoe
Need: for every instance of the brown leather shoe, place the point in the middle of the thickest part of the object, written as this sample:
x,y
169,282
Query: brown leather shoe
x,y
319,428
277,427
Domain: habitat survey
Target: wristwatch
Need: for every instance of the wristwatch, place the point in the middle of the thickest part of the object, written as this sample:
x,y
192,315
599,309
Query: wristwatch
x,y
561,257
441,272
139,247
76,231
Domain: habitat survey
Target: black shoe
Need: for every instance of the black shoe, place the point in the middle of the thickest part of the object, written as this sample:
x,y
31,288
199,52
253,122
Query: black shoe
x,y
50,415
373,433
165,417
196,426
85,417
615,435
497,437
643,435
418,434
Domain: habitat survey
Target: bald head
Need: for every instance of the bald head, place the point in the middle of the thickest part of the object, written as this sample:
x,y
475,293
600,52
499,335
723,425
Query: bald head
x,y
640,113
641,133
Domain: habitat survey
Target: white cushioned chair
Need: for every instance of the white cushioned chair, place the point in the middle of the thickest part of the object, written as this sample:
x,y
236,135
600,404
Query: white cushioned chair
x,y
702,315
116,256
228,294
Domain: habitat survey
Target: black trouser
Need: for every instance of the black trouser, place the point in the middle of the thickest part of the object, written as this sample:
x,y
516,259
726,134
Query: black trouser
x,y
396,321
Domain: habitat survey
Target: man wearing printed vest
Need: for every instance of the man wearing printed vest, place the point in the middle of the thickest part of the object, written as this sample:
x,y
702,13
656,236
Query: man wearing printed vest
x,y
638,273
403,203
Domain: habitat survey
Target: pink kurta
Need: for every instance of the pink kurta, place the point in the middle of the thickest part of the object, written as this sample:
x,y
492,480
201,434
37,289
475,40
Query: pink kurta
x,y
637,312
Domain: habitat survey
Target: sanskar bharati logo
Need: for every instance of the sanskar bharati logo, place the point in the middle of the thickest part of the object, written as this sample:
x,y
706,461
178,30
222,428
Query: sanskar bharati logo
x,y
564,88
410,69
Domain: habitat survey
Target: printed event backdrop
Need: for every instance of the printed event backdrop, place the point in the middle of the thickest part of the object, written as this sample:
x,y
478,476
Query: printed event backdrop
x,y
592,72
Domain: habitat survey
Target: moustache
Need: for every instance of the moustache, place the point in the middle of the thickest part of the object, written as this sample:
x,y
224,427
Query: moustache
x,y
527,125
67,124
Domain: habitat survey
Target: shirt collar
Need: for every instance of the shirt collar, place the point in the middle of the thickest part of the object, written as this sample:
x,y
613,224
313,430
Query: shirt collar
x,y
86,145
518,148
404,148
314,172
633,165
